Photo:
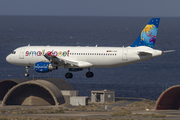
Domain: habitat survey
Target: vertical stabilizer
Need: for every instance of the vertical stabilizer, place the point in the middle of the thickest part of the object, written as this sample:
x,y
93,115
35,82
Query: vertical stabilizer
x,y
148,35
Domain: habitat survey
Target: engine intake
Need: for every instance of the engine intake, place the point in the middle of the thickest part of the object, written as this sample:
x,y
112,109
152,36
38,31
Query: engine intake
x,y
43,67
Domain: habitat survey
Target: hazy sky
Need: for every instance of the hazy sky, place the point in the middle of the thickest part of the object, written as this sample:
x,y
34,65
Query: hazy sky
x,y
159,8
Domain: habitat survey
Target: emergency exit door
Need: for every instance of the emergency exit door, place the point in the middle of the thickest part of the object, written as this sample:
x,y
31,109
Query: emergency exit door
x,y
124,55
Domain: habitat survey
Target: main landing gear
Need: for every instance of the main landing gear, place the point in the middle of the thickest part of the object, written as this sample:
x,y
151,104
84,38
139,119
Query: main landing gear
x,y
89,74
27,71
68,75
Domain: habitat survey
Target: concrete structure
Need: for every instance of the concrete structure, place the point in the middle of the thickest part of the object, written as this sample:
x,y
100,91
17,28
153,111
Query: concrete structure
x,y
102,96
6,85
33,92
169,99
69,93
76,101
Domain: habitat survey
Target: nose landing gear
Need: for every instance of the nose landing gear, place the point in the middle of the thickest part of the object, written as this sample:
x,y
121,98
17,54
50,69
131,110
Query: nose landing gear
x,y
27,71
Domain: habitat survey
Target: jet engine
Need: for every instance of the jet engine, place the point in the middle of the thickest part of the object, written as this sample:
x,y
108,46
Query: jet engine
x,y
43,67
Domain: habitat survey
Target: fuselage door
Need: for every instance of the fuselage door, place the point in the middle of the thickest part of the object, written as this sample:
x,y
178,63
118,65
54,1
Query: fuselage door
x,y
21,54
124,54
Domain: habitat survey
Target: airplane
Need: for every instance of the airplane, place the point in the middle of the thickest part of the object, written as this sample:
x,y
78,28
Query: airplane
x,y
49,58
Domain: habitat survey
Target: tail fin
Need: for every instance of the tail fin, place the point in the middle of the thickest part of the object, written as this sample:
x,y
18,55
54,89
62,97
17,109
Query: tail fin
x,y
148,35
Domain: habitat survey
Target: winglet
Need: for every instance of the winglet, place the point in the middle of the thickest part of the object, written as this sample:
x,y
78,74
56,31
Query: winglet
x,y
148,35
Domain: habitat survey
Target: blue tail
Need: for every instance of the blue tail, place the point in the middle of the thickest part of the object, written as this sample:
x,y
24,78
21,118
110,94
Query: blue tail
x,y
148,35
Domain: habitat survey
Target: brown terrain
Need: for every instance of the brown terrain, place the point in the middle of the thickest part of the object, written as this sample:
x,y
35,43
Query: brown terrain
x,y
119,110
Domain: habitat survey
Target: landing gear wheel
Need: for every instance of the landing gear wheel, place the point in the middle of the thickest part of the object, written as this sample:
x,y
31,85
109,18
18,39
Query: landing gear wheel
x,y
68,75
89,74
26,74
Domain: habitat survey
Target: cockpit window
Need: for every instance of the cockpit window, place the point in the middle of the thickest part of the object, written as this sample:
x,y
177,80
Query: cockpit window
x,y
14,52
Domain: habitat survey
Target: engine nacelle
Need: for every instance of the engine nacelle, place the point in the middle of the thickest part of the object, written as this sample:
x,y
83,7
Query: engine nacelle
x,y
44,67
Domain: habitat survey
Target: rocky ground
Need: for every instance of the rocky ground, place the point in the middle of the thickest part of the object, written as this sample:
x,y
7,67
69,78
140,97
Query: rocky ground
x,y
122,109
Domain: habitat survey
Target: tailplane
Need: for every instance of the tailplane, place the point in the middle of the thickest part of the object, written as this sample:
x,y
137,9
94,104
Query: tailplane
x,y
148,35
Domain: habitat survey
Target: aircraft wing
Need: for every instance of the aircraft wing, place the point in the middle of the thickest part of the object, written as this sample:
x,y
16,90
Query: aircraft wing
x,y
65,61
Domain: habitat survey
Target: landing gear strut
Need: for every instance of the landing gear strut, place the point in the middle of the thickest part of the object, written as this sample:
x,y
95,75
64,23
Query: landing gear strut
x,y
68,75
27,71
89,74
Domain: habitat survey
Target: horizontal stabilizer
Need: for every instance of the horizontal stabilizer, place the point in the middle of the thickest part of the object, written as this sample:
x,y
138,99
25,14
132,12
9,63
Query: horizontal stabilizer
x,y
144,53
168,51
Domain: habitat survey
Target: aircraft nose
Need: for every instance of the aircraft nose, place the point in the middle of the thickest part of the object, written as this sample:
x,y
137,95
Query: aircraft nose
x,y
8,58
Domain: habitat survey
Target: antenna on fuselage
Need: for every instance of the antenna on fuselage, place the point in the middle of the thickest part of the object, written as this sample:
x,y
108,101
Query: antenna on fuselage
x,y
96,45
28,44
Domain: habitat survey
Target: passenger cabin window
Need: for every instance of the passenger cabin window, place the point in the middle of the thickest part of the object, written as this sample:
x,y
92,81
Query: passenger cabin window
x,y
104,54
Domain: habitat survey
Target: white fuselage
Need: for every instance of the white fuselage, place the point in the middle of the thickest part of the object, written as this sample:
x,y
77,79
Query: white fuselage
x,y
97,56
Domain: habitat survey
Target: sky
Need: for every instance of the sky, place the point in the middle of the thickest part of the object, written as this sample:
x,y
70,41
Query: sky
x,y
144,8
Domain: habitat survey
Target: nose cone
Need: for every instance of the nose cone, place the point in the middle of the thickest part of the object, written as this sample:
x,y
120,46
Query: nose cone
x,y
8,59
